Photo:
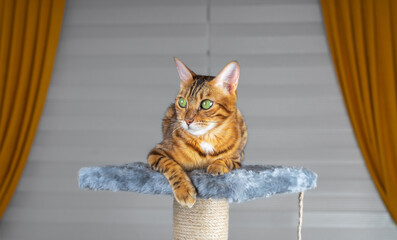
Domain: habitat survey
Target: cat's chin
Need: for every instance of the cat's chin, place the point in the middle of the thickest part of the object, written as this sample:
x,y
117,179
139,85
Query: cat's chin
x,y
198,131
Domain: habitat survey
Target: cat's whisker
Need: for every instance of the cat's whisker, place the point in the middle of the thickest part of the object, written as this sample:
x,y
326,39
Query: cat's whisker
x,y
176,129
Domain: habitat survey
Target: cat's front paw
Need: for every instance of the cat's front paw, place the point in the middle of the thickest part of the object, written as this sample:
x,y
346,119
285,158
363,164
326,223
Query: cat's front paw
x,y
217,169
185,195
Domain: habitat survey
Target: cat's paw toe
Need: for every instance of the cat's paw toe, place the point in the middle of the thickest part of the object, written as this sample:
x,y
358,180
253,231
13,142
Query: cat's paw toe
x,y
217,169
185,196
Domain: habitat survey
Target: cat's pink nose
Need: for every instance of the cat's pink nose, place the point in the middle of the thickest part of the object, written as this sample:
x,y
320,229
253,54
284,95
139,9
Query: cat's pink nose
x,y
188,121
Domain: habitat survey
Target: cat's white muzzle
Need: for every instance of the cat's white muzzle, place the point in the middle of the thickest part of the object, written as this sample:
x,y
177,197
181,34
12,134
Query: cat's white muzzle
x,y
196,130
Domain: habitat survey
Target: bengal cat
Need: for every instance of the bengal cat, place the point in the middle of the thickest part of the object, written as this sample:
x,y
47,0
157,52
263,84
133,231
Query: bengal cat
x,y
203,128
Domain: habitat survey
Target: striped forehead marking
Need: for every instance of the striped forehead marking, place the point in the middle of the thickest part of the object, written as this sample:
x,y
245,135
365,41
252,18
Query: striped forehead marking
x,y
199,82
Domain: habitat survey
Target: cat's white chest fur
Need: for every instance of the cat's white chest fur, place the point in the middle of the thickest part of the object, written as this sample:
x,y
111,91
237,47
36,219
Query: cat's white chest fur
x,y
207,147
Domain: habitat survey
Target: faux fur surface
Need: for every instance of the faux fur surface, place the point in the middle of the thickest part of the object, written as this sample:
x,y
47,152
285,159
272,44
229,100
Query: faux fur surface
x,y
248,183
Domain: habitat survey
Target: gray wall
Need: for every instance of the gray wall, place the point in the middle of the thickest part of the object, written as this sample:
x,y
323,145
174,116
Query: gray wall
x,y
114,77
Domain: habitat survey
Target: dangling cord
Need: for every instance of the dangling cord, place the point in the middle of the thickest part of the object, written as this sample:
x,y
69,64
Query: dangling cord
x,y
300,215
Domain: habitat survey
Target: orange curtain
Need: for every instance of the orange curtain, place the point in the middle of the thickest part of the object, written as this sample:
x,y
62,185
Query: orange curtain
x,y
29,33
362,36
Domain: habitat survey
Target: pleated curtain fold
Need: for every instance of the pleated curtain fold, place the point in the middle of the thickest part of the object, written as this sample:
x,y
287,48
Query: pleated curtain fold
x,y
29,34
362,36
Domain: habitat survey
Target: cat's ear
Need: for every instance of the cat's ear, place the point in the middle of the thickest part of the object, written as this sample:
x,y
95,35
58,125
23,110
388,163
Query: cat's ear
x,y
185,74
228,77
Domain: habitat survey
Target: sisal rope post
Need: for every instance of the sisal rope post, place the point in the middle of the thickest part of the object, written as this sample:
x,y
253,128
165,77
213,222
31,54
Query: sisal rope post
x,y
207,219
300,215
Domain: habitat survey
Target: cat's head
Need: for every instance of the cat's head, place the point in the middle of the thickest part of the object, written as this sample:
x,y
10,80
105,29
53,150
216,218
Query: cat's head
x,y
205,102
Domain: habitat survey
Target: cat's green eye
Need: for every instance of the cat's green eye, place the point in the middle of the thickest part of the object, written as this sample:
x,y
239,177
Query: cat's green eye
x,y
182,102
206,104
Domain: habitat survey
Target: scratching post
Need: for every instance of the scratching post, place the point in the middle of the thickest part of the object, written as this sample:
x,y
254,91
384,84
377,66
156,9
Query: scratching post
x,y
207,219
300,215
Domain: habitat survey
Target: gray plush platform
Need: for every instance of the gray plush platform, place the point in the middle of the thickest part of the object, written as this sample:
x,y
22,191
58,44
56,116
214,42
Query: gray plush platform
x,y
248,183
